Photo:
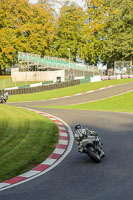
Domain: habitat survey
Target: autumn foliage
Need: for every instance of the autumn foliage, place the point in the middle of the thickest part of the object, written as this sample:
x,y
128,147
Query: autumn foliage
x,y
103,30
24,27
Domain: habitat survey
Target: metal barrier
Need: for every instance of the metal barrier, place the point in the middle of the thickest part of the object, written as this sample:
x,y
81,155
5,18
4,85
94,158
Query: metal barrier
x,y
41,88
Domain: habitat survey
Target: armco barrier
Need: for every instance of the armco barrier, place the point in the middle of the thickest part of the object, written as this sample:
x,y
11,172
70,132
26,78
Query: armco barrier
x,y
113,77
41,88
124,76
131,76
105,78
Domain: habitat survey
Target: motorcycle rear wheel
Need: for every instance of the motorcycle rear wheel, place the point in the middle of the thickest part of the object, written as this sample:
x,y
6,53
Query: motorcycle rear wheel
x,y
94,155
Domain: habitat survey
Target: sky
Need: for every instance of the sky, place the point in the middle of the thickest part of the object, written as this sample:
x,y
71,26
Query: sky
x,y
79,2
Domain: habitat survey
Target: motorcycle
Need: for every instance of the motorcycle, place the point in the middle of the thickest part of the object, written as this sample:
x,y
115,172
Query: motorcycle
x,y
89,143
4,98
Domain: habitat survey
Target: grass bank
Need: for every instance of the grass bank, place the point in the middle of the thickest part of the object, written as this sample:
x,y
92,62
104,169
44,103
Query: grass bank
x,y
66,91
26,139
121,103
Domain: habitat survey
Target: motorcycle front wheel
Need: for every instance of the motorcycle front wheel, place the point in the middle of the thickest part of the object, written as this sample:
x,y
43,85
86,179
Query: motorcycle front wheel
x,y
94,155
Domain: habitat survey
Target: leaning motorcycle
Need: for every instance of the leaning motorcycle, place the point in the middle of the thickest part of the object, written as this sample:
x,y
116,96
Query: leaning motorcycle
x,y
4,98
89,143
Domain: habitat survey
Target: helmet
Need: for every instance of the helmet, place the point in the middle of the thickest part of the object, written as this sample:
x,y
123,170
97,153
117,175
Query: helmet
x,y
78,126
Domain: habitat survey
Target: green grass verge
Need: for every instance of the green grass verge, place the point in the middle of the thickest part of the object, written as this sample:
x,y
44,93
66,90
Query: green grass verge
x,y
121,103
6,82
66,91
26,139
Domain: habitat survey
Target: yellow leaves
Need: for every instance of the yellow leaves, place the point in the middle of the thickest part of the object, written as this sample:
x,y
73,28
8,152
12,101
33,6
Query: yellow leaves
x,y
7,50
24,27
95,3
7,53
98,27
2,33
117,12
45,43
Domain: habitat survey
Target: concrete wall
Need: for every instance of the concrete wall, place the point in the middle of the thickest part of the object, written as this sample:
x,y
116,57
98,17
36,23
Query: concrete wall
x,y
13,70
37,76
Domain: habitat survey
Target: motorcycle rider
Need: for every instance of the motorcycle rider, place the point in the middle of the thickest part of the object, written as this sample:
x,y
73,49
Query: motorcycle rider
x,y
4,98
84,133
1,99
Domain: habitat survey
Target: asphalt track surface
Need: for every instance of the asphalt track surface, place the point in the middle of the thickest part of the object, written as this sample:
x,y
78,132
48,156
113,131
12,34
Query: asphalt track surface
x,y
77,177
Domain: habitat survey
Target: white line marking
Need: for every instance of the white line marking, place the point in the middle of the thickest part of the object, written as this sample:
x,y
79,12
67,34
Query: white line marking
x,y
66,96
59,151
4,185
30,173
78,94
61,128
63,134
89,91
63,142
49,161
52,99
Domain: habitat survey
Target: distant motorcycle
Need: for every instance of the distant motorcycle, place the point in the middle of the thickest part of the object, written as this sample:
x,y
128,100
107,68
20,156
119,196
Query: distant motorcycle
x,y
4,98
1,99
89,143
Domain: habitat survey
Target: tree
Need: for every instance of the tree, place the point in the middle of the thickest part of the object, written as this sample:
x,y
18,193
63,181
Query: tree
x,y
67,32
24,27
93,31
40,29
109,30
13,14
118,43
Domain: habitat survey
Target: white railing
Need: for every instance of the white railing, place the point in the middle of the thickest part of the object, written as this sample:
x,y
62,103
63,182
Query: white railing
x,y
46,61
